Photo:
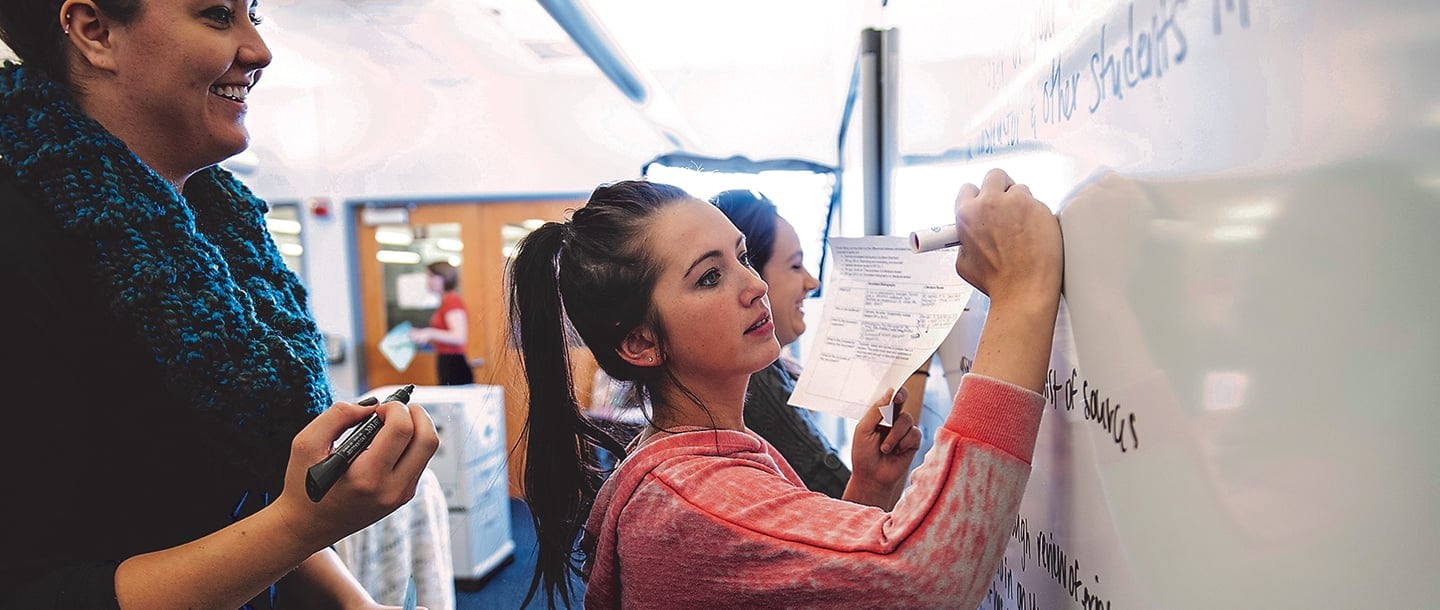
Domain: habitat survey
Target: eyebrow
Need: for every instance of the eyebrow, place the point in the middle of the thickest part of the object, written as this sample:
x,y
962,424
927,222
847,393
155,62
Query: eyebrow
x,y
711,254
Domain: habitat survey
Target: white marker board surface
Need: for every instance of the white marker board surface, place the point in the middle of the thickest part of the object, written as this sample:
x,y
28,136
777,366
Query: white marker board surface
x,y
1243,410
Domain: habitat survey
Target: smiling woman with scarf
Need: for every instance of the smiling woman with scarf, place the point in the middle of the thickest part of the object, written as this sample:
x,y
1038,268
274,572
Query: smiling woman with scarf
x,y
171,390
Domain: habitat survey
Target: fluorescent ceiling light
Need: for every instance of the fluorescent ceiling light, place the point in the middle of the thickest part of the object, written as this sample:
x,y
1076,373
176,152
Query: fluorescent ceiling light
x,y
398,257
283,226
392,237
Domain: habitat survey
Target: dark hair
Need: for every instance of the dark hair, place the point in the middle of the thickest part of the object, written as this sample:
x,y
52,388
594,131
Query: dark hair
x,y
445,271
30,28
756,216
595,272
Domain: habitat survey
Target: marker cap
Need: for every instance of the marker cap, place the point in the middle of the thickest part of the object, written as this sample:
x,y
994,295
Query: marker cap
x,y
934,238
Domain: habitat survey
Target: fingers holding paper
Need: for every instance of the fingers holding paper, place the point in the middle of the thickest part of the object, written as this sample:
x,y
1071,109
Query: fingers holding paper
x,y
881,454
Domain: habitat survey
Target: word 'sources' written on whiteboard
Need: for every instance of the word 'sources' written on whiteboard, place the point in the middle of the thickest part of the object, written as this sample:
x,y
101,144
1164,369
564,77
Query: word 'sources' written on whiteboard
x,y
1071,392
1074,397
886,310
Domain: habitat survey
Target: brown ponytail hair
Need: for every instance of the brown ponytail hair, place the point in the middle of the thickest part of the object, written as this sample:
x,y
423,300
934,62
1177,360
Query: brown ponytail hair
x,y
592,275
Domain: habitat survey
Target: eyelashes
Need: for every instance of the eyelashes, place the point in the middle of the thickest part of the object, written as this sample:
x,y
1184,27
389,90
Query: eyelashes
x,y
711,277
225,17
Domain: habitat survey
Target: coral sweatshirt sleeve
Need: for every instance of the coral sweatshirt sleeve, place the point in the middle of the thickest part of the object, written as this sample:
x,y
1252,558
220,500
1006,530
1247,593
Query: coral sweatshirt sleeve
x,y
699,518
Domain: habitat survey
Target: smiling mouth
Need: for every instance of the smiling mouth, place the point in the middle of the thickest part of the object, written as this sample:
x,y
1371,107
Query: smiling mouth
x,y
758,324
231,92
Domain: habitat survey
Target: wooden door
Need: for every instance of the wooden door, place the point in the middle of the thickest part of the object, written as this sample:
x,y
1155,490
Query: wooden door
x,y
486,234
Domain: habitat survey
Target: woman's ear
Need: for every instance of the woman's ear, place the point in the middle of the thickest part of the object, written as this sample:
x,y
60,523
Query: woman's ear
x,y
639,348
88,30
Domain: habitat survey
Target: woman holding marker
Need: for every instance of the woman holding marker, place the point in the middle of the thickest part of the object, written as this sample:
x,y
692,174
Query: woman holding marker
x,y
703,511
175,378
775,254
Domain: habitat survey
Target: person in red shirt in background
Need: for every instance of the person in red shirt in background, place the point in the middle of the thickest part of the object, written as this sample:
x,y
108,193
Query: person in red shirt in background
x,y
449,327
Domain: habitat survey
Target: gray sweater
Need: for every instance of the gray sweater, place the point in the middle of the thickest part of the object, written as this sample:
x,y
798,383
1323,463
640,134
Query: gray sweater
x,y
792,431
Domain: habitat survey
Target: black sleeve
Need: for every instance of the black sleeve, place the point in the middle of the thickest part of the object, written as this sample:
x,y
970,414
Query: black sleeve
x,y
27,581
793,435
77,586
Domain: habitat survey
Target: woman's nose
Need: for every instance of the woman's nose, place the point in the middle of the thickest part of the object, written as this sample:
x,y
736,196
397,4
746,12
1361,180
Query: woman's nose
x,y
755,288
253,52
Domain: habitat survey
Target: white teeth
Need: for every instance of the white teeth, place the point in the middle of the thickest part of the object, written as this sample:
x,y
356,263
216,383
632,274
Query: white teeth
x,y
234,92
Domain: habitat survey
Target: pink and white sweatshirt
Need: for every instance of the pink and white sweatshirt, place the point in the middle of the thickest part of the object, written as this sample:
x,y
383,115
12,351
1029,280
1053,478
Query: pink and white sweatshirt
x,y
716,518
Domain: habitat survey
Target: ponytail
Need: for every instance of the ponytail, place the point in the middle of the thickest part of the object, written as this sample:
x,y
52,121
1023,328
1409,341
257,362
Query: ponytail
x,y
589,278
562,474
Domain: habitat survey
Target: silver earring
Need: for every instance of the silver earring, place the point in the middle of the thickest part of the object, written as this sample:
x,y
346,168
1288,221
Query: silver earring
x,y
66,27
650,359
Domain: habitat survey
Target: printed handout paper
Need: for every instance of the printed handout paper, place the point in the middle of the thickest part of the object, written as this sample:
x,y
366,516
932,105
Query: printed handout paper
x,y
886,311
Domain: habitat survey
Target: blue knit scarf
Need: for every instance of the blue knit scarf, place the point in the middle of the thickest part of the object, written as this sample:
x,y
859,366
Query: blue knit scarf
x,y
197,275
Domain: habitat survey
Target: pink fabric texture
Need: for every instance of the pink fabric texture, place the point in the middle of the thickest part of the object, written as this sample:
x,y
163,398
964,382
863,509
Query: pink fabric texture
x,y
703,518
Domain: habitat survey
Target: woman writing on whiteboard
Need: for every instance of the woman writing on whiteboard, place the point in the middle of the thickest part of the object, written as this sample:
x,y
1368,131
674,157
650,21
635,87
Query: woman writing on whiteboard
x,y
449,327
658,285
775,253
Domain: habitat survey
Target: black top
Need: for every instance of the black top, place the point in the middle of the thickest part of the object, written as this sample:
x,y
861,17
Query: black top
x,y
792,431
91,480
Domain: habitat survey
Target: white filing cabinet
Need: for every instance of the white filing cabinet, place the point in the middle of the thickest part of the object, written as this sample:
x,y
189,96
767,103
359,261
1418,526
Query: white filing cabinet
x,y
471,467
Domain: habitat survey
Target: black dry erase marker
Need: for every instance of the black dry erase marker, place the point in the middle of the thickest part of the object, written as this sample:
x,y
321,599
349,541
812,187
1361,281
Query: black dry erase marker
x,y
321,477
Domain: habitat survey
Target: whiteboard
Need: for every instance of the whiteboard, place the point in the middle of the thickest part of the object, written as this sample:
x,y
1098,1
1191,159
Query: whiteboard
x,y
1241,412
